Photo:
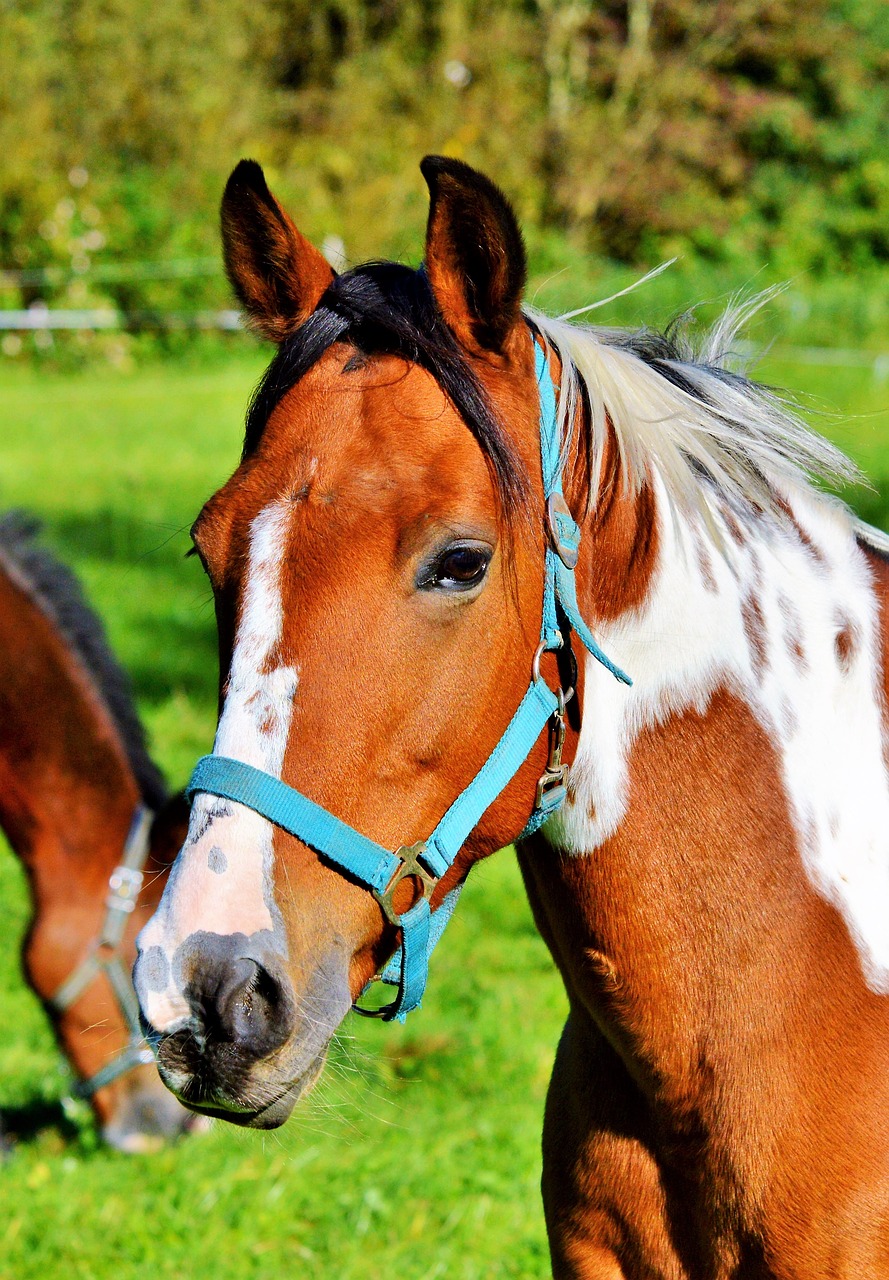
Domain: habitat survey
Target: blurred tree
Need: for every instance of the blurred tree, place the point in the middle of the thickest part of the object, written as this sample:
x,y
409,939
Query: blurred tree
x,y
142,105
737,129
30,144
747,131
718,124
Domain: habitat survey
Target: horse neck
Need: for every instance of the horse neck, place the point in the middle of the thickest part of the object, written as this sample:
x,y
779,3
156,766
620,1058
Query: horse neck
x,y
67,792
720,803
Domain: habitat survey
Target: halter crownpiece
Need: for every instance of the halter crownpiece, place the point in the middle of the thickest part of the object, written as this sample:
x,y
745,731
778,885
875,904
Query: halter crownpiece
x,y
426,863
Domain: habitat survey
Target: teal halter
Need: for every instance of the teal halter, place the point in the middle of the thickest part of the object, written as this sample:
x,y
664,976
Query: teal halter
x,y
103,957
427,862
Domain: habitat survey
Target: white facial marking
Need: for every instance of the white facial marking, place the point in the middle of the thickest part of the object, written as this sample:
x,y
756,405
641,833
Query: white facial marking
x,y
790,624
222,882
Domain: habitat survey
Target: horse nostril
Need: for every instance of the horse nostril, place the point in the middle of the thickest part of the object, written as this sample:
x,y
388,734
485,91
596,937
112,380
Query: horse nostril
x,y
248,1007
253,1005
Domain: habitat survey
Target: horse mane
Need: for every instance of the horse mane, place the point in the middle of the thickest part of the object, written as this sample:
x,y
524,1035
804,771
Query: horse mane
x,y
59,595
679,410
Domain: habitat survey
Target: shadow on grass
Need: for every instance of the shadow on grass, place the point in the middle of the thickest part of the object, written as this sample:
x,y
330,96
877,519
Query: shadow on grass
x,y
174,646
116,537
21,1125
183,660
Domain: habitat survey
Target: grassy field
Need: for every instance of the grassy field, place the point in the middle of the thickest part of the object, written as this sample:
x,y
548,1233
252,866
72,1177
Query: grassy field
x,y
418,1155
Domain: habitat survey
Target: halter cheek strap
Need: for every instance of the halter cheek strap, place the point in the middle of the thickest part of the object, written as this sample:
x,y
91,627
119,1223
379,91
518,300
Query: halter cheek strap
x,y
381,871
124,886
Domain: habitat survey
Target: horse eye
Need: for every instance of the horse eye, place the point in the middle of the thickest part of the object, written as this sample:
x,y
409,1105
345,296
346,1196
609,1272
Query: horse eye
x,y
461,568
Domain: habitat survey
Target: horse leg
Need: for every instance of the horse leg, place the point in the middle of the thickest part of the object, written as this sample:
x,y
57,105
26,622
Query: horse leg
x,y
603,1198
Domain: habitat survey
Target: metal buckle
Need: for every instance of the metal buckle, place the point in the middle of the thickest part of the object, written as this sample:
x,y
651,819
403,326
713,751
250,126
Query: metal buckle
x,y
124,884
547,787
557,506
411,868
555,776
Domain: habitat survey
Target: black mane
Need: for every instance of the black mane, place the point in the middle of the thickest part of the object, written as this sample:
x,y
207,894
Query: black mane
x,y
387,308
671,355
61,597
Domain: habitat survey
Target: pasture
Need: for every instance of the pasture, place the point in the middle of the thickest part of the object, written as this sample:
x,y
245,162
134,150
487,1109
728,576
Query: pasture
x,y
418,1154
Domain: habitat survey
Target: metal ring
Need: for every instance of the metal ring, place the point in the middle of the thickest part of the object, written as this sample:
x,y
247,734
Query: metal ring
x,y
385,1011
538,654
409,868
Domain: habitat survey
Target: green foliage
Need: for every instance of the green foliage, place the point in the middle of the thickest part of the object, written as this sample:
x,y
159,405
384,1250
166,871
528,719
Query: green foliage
x,y
743,133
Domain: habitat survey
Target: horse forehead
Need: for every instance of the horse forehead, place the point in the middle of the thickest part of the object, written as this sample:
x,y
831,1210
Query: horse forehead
x,y
383,440
385,413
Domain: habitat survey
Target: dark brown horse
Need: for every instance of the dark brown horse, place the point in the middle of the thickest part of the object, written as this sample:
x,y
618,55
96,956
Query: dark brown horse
x,y
715,886
86,811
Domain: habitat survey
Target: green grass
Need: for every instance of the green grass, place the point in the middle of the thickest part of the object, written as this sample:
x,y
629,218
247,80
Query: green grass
x,y
419,1154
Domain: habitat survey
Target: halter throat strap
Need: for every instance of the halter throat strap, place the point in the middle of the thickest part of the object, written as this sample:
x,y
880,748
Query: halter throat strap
x,y
381,871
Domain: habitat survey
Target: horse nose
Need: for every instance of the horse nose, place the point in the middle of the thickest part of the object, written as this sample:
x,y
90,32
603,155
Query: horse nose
x,y
221,992
242,1002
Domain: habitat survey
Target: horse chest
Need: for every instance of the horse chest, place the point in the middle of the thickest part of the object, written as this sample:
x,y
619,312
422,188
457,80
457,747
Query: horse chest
x,y
745,1056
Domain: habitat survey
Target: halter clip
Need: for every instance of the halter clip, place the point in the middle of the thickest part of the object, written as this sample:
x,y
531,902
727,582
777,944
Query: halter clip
x,y
553,784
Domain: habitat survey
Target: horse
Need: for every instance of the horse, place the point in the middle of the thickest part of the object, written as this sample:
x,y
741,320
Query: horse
x,y
86,811
443,498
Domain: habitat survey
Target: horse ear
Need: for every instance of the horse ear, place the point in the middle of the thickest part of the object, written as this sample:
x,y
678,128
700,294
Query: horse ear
x,y
475,256
277,274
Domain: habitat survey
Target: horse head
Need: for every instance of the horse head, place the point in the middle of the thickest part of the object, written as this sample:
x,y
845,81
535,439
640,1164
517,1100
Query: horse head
x,y
75,961
377,561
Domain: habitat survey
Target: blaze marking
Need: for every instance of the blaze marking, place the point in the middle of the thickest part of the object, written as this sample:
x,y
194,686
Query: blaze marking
x,y
254,727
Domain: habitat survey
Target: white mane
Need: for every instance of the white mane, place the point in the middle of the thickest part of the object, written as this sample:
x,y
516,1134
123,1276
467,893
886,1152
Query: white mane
x,y
683,414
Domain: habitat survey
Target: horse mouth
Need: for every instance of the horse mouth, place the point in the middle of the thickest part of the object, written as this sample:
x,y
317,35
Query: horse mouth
x,y
271,1113
271,1116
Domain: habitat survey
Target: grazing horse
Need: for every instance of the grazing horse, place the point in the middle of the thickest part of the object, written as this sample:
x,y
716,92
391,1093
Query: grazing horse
x,y
86,811
441,498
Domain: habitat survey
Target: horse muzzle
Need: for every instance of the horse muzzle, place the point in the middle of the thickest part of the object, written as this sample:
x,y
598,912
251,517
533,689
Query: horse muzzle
x,y
249,1097
232,1042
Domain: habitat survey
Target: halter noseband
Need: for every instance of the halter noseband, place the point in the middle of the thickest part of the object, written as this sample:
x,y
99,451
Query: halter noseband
x,y
124,885
427,862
